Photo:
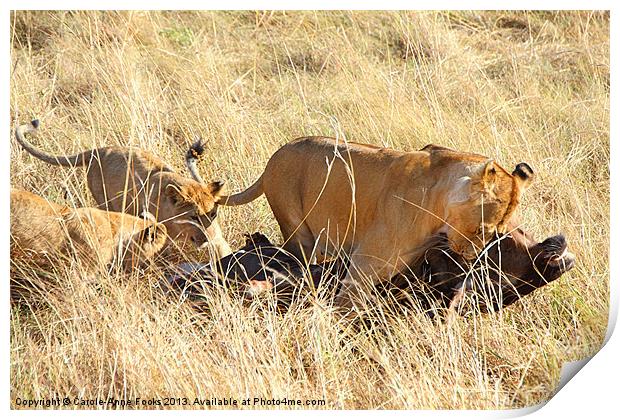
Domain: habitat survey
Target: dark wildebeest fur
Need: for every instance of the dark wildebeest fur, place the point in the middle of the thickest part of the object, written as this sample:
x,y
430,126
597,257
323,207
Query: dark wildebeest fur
x,y
511,267
258,266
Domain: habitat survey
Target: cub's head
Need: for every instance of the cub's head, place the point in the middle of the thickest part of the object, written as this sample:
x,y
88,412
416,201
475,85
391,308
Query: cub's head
x,y
189,208
148,239
481,204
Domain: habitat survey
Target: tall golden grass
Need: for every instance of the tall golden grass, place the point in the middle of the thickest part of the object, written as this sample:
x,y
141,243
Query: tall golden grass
x,y
517,86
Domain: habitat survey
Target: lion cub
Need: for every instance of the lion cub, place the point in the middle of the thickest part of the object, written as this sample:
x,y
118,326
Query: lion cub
x,y
135,181
41,230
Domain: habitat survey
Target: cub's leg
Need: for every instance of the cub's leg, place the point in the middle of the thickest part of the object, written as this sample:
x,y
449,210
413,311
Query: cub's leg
x,y
216,240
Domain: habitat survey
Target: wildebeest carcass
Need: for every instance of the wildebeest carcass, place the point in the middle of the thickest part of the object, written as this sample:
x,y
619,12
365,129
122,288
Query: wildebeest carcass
x,y
511,267
257,267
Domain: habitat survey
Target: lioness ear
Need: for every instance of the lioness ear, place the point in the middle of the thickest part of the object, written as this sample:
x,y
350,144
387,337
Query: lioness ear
x,y
216,188
460,192
485,174
524,174
434,147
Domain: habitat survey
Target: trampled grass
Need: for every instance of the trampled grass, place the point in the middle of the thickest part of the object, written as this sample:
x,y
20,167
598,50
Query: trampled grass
x,y
517,86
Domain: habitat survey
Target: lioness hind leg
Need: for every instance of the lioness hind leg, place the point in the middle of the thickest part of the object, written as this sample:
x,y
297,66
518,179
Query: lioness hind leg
x,y
299,241
356,289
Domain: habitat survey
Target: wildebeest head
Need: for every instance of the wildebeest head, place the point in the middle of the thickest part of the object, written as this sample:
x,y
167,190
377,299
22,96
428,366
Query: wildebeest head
x,y
527,264
511,266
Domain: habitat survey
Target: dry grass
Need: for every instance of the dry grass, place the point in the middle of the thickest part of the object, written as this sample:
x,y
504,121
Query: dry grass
x,y
513,85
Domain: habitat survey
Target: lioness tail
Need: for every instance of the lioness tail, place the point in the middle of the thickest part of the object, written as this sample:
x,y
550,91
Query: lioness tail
x,y
251,193
31,128
195,152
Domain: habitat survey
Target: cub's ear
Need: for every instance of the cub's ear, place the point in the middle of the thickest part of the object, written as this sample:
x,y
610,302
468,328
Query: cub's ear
x,y
150,234
485,174
147,215
154,233
174,193
216,188
524,174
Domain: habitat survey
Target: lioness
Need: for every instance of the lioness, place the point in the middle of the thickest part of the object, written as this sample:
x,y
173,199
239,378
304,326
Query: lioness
x,y
134,181
41,230
380,205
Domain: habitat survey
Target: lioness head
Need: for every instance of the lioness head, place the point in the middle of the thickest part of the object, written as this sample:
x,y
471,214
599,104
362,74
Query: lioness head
x,y
189,208
482,203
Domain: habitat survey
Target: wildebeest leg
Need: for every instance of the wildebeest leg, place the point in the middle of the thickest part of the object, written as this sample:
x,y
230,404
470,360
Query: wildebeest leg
x,y
457,298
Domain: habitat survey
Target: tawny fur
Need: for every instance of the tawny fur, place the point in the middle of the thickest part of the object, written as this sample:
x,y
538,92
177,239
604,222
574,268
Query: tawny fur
x,y
133,181
400,199
43,230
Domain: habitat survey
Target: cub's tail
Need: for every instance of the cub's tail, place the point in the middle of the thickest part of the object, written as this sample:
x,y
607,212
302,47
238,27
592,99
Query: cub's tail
x,y
31,128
